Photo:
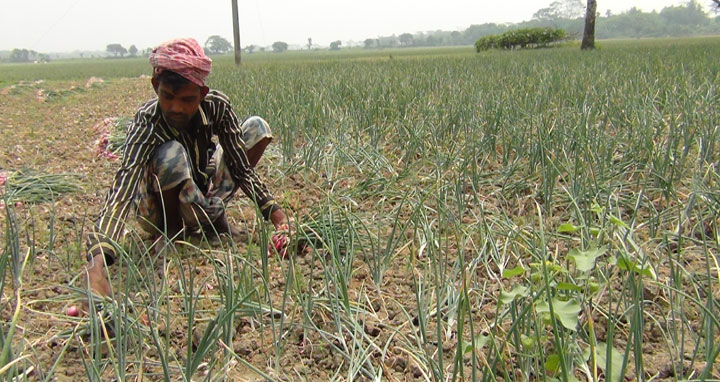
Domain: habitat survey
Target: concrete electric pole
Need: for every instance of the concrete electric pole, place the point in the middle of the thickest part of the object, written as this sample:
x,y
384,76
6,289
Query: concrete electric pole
x,y
236,31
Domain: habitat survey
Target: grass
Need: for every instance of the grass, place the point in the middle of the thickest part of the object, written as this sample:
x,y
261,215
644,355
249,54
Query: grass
x,y
530,215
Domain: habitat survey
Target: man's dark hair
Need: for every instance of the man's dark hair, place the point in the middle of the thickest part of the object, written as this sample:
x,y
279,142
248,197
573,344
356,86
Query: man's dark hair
x,y
174,80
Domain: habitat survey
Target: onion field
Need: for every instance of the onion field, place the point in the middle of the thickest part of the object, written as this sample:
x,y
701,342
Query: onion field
x,y
530,215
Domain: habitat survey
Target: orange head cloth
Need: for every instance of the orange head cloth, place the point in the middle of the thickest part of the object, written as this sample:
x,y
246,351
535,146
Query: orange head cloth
x,y
183,56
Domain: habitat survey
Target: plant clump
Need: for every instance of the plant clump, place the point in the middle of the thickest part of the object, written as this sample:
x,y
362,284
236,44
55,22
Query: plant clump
x,y
31,186
521,38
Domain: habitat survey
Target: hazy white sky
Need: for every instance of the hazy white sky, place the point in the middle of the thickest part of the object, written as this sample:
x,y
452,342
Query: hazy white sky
x,y
66,25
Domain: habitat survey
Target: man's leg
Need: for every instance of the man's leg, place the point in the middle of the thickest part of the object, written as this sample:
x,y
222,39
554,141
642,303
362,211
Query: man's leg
x,y
172,224
170,200
255,153
166,196
257,136
221,224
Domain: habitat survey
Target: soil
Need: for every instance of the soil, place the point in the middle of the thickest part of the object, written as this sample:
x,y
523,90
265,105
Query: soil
x,y
55,133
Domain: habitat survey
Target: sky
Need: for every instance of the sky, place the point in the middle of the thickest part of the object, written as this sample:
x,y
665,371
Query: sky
x,y
50,26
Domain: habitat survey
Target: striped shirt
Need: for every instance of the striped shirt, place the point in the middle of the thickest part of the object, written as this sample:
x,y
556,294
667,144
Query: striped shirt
x,y
149,130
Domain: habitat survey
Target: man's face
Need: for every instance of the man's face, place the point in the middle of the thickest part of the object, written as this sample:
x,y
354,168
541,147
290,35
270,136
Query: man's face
x,y
179,103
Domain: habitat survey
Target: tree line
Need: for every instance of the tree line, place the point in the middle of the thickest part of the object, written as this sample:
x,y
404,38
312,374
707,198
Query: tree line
x,y
27,55
569,15
566,15
674,21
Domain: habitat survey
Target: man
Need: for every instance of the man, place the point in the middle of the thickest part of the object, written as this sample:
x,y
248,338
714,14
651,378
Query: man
x,y
178,178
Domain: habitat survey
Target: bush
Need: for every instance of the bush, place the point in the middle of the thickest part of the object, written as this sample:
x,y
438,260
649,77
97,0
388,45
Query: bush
x,y
488,42
521,38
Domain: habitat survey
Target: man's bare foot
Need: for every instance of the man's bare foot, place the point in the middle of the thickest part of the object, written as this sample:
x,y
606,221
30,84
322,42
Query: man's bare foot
x,y
222,227
160,243
97,283
97,280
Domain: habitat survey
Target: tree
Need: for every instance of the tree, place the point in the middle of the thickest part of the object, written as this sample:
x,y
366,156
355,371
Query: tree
x,y
335,45
474,32
636,23
250,48
588,41
690,15
369,42
387,41
561,9
406,39
133,50
217,45
116,49
309,44
279,46
20,55
455,37
520,38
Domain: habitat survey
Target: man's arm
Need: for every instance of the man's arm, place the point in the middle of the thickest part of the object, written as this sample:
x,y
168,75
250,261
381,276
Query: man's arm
x,y
244,176
139,145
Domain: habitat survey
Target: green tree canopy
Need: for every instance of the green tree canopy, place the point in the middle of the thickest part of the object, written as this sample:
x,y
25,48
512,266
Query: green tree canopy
x,y
279,46
521,38
406,39
133,50
335,45
690,14
217,45
561,9
22,55
116,49
636,23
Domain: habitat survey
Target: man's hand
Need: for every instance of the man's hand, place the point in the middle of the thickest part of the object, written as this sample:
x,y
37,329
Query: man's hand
x,y
280,239
278,217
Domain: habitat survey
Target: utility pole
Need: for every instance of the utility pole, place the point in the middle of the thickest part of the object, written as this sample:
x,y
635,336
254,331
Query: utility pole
x,y
236,31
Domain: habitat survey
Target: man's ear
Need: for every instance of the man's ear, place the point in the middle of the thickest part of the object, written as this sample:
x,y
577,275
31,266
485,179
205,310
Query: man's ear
x,y
204,91
155,84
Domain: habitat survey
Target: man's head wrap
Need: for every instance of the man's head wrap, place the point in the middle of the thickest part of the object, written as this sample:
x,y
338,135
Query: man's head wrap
x,y
183,56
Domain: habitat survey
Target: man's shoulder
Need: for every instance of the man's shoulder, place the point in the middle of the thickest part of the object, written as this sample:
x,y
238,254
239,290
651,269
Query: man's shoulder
x,y
148,109
217,97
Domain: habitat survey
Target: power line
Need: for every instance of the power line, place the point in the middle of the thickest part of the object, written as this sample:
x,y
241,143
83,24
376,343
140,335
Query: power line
x,y
54,24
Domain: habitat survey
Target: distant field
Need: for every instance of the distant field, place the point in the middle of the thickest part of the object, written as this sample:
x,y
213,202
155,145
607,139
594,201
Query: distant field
x,y
77,69
506,216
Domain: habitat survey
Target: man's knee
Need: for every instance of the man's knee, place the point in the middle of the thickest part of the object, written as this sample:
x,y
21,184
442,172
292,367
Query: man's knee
x,y
255,152
255,129
170,165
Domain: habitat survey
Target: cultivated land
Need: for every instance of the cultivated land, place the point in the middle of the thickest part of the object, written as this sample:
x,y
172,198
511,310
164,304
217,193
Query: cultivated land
x,y
530,215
